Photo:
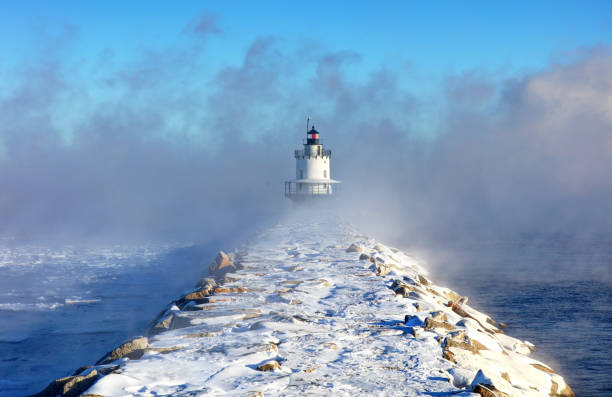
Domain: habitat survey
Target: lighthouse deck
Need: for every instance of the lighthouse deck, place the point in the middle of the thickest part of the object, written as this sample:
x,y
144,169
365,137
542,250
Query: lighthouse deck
x,y
310,187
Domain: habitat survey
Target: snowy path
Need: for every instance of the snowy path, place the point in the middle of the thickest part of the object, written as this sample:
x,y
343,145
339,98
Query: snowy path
x,y
326,323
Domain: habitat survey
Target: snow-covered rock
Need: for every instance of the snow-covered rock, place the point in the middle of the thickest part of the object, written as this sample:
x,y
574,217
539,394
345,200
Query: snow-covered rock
x,y
221,265
354,248
133,349
70,386
303,315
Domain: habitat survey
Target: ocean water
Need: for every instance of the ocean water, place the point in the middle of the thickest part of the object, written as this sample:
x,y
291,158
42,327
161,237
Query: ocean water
x,y
64,308
553,291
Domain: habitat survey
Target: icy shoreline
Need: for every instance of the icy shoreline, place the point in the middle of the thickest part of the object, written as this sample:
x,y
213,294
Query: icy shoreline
x,y
317,308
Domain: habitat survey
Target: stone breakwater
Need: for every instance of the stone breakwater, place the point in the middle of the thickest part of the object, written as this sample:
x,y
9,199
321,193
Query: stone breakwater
x,y
317,309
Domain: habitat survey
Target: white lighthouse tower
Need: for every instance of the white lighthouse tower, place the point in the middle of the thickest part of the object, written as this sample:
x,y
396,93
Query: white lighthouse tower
x,y
312,170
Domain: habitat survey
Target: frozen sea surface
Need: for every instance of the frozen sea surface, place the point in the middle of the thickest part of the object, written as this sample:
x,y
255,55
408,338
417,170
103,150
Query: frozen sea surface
x,y
65,307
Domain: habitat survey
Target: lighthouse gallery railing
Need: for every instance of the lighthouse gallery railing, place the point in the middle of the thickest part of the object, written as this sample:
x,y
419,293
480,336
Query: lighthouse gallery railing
x,y
302,153
307,189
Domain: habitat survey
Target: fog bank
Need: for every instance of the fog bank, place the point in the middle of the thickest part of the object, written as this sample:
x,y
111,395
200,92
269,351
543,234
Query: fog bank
x,y
161,149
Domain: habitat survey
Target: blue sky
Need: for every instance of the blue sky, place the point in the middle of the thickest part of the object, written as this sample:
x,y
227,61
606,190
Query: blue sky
x,y
431,39
422,44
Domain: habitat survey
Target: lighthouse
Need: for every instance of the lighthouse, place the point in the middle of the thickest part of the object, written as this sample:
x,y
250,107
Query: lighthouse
x,y
312,170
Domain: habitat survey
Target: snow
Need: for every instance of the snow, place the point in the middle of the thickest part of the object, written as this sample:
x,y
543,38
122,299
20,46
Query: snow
x,y
332,324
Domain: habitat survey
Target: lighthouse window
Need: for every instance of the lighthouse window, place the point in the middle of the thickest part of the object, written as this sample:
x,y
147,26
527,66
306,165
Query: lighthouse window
x,y
324,173
301,174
